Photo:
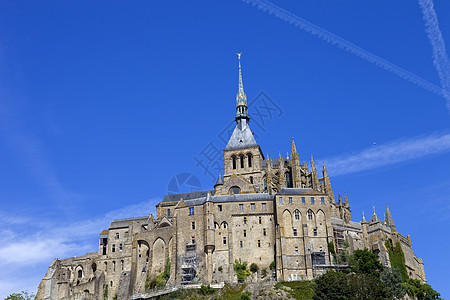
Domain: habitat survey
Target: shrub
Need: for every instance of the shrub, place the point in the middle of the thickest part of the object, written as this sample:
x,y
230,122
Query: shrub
x,y
364,261
272,265
241,270
254,268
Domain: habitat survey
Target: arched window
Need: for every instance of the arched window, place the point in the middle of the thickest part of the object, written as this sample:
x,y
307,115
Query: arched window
x,y
241,157
265,185
251,179
94,267
310,215
288,180
233,159
80,273
234,190
249,157
297,215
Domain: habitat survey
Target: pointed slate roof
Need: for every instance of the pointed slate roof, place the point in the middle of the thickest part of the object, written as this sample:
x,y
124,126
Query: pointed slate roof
x,y
388,218
242,136
219,180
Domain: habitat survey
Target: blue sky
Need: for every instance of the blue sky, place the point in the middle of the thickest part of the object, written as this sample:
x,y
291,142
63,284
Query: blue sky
x,y
102,103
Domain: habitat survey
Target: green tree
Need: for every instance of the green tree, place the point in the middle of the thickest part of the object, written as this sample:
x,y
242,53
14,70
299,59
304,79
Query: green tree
x,y
365,286
392,279
332,286
415,288
241,270
24,295
364,261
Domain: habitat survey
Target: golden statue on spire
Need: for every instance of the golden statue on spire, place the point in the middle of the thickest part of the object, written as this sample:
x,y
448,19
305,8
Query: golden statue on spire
x,y
239,55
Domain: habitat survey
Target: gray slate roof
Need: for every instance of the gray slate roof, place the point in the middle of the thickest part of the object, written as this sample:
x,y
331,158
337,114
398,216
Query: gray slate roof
x,y
242,136
186,196
299,191
124,223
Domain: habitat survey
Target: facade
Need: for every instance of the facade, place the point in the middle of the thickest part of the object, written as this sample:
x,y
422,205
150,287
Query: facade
x,y
261,211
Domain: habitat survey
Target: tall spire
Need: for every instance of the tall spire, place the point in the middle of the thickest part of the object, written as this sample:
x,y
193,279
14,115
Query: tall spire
x,y
326,182
347,205
315,178
241,98
388,218
294,149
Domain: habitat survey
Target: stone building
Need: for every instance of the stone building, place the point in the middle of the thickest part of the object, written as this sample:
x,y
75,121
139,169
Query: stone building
x,y
261,211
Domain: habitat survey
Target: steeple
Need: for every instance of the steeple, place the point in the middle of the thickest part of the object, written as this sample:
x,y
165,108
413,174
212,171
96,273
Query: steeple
x,y
241,98
294,149
388,218
327,183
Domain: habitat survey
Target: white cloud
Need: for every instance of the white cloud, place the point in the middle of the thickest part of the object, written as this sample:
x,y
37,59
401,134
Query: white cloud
x,y
389,154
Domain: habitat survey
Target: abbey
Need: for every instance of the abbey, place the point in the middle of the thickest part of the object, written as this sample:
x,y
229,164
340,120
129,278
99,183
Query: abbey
x,y
277,213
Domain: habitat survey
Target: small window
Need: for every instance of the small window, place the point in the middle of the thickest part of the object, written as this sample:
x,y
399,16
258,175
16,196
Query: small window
x,y
290,200
193,225
295,231
114,266
193,239
224,240
121,265
322,200
259,243
263,206
315,231
297,215
249,158
120,247
245,220
80,273
191,210
111,283
296,250
219,207
252,206
168,212
241,158
303,200
264,232
281,200
310,216
251,179
260,220
117,235
312,200
240,244
113,248
233,159
245,233
225,225
241,206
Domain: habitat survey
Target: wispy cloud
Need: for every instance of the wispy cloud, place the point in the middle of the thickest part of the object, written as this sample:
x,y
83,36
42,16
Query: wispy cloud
x,y
388,154
440,58
31,253
345,45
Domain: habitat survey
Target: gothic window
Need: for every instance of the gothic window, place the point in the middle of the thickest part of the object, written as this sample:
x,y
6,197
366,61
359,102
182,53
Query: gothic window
x,y
225,225
241,158
168,212
94,268
297,215
80,273
249,157
288,180
233,159
265,185
310,215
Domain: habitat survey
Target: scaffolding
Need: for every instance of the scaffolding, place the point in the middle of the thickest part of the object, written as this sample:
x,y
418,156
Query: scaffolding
x,y
189,268
338,239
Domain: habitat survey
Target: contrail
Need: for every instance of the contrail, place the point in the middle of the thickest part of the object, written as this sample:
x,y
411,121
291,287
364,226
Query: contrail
x,y
343,44
440,58
389,154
